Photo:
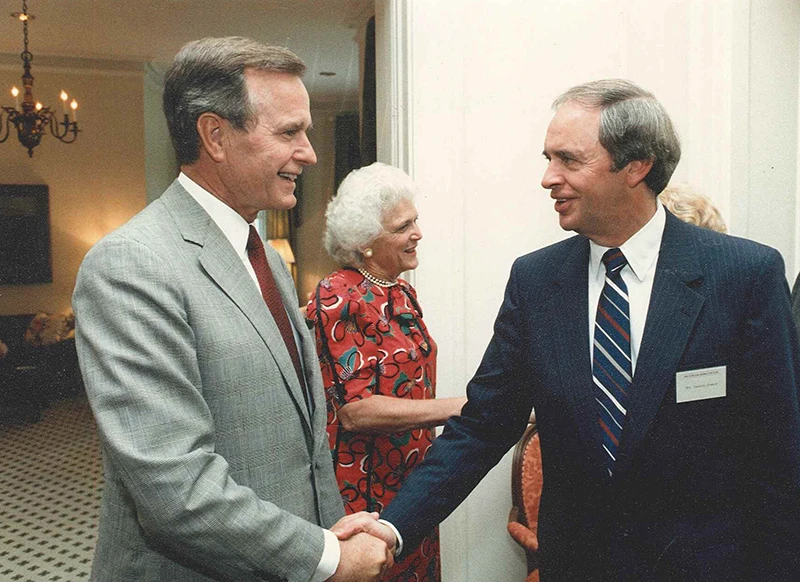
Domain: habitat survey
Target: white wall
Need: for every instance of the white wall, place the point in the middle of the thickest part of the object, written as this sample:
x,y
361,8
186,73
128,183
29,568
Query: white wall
x,y
470,84
770,160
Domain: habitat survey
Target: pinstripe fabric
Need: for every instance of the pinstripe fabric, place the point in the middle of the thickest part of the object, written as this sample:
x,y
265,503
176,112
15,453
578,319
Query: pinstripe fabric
x,y
611,363
691,498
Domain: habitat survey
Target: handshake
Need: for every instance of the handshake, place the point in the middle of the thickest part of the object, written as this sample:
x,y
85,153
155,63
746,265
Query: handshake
x,y
367,548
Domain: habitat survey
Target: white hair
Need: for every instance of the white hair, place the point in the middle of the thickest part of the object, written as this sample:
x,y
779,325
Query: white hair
x,y
355,216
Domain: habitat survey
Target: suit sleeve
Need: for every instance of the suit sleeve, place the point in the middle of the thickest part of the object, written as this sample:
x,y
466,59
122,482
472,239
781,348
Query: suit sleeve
x,y
498,407
771,369
138,359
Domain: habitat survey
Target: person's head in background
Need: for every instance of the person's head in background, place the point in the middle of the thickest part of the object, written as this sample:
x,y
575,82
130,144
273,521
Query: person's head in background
x,y
371,223
692,207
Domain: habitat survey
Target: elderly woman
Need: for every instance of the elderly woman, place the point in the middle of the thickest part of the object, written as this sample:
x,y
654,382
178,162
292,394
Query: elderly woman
x,y
378,360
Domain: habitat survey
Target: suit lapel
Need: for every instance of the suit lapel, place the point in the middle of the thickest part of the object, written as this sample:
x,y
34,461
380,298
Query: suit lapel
x,y
673,311
307,347
568,316
225,268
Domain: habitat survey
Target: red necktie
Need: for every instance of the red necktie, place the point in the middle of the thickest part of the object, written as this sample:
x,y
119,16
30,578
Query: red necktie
x,y
272,297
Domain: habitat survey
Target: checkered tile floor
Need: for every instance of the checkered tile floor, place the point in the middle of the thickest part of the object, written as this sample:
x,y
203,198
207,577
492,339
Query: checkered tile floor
x,y
51,480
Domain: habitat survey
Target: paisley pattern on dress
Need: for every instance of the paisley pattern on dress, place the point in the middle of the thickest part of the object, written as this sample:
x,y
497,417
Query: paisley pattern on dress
x,y
372,340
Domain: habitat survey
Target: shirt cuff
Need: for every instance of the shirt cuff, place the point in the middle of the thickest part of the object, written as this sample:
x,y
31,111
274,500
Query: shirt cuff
x,y
398,548
330,558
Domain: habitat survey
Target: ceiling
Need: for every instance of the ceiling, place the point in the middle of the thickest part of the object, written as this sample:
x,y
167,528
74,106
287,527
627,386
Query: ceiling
x,y
322,32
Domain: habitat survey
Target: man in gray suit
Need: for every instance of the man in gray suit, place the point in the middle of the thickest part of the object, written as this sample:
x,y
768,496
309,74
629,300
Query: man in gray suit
x,y
207,396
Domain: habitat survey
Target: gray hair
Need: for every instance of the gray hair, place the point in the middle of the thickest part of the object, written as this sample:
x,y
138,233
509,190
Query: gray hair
x,y
633,126
355,216
207,75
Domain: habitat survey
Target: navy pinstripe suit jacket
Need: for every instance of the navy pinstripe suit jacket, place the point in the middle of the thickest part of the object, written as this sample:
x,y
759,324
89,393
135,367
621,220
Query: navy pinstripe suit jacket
x,y
705,490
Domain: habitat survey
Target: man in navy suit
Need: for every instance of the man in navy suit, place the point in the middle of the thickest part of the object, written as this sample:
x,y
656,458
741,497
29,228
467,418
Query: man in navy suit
x,y
698,478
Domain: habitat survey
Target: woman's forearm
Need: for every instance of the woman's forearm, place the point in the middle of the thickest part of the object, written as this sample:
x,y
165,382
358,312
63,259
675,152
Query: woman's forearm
x,y
383,414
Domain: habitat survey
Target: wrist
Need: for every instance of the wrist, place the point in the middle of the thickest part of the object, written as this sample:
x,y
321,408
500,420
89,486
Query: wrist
x,y
398,539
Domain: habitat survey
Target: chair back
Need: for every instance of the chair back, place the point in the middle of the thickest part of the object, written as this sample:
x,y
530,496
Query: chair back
x,y
526,492
526,477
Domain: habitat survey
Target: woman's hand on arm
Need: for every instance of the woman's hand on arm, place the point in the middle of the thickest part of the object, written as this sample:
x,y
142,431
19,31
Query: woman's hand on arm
x,y
384,414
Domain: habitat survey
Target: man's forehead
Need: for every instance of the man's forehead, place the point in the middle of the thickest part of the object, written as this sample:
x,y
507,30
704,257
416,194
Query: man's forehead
x,y
575,127
573,114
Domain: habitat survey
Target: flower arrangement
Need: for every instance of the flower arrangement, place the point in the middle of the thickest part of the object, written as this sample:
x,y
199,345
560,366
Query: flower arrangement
x,y
45,329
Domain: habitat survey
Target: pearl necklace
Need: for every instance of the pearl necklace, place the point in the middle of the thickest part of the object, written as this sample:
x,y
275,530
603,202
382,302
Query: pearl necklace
x,y
373,279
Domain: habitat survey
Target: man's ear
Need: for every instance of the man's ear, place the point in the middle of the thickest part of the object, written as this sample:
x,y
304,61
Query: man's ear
x,y
210,128
636,171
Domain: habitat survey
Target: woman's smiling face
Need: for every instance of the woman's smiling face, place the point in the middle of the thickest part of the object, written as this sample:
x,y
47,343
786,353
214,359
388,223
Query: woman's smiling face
x,y
395,250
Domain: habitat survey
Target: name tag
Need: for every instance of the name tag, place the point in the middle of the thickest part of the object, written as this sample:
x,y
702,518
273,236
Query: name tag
x,y
701,384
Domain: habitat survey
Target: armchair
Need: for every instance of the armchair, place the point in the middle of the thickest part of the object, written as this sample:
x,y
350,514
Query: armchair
x,y
526,491
38,365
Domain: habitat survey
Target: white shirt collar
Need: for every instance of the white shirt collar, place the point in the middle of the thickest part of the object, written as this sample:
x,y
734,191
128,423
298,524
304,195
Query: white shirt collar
x,y
230,222
641,250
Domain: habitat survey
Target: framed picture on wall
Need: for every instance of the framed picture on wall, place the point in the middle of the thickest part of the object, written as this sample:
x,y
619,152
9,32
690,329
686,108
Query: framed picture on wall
x,y
25,234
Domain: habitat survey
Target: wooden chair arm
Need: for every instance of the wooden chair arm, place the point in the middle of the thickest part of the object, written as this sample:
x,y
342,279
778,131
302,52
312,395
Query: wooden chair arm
x,y
523,536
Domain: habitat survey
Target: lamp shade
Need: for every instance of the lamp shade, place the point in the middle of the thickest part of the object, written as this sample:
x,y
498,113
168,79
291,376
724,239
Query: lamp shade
x,y
284,249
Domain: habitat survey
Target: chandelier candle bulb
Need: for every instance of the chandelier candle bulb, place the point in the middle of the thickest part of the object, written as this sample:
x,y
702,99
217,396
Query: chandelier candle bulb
x,y
64,98
15,93
74,106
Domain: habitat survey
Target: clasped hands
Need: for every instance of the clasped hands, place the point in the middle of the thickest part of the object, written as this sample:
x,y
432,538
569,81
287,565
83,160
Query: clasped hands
x,y
367,548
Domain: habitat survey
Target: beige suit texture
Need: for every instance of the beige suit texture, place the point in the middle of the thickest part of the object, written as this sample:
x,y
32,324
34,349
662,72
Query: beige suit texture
x,y
214,468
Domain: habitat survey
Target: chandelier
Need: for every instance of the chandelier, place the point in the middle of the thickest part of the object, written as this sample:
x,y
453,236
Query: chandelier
x,y
31,118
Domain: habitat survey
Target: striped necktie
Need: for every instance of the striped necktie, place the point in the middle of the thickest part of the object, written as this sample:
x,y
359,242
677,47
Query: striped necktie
x,y
611,364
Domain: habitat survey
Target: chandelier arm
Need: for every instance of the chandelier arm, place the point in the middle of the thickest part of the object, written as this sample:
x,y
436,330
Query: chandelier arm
x,y
53,123
5,120
65,131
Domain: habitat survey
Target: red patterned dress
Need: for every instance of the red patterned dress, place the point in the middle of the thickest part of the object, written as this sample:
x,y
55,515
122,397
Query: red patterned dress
x,y
372,340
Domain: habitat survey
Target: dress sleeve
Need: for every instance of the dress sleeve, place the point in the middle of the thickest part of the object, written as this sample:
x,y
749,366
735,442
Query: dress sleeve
x,y
345,327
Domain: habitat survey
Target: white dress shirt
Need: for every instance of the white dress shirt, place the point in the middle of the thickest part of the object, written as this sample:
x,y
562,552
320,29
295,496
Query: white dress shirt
x,y
641,251
237,231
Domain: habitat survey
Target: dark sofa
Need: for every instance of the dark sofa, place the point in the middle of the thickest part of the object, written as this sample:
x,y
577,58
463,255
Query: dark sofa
x,y
36,370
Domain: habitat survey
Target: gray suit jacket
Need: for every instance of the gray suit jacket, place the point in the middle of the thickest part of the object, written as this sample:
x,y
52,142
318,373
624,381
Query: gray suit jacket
x,y
213,467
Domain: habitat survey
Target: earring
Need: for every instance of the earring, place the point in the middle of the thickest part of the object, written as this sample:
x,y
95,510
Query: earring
x,y
368,253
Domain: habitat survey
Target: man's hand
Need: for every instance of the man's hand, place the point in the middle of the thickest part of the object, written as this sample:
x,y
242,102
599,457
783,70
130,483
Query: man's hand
x,y
363,522
363,558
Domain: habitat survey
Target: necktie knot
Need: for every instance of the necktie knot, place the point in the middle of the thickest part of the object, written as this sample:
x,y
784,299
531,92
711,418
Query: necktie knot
x,y
614,260
253,240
